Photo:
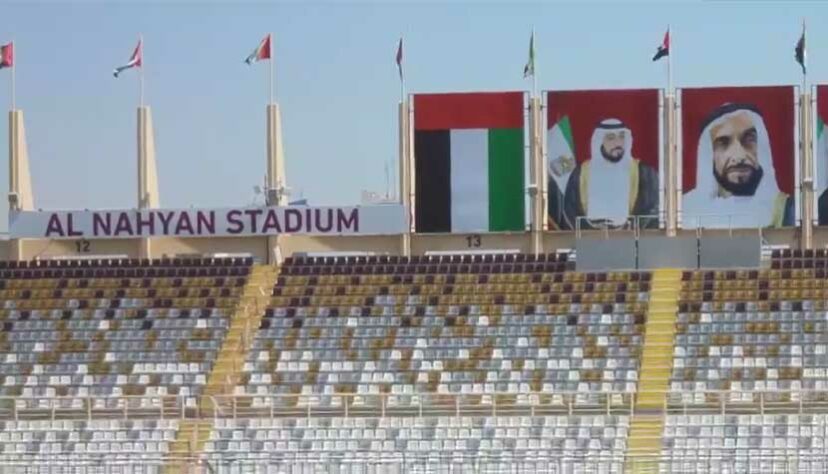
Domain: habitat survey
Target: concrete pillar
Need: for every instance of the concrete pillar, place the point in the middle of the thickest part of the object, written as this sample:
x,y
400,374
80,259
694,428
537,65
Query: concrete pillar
x,y
276,192
537,176
20,182
275,184
671,188
405,174
147,172
806,171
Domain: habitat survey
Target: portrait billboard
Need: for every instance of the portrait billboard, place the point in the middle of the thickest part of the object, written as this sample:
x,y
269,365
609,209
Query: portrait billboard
x,y
602,160
821,155
738,157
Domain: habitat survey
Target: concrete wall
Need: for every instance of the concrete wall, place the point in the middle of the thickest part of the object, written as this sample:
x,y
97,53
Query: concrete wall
x,y
421,243
44,248
256,246
390,244
263,248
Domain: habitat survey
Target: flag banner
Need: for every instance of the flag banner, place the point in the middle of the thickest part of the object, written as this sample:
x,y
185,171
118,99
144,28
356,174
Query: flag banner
x,y
602,158
470,160
400,58
6,55
738,157
663,48
233,222
821,156
529,68
261,52
800,53
134,61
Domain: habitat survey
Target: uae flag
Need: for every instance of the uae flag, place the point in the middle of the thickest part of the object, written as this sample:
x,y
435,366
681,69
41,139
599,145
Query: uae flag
x,y
561,152
469,162
261,52
663,48
7,55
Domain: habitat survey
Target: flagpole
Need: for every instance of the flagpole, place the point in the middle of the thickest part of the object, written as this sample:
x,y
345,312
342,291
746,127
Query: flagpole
x,y
804,58
402,88
141,71
270,69
670,62
13,73
534,67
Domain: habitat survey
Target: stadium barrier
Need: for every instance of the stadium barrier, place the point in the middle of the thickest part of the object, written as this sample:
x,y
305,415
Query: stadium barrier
x,y
447,461
422,406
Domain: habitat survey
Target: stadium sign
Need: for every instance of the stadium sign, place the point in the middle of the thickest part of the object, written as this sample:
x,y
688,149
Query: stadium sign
x,y
233,222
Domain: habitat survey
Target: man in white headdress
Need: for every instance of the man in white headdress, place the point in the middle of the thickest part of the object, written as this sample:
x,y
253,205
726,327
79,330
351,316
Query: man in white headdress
x,y
735,178
612,185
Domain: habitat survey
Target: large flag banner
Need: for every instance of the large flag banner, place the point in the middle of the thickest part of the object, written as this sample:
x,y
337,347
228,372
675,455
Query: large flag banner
x,y
602,158
821,157
469,162
738,157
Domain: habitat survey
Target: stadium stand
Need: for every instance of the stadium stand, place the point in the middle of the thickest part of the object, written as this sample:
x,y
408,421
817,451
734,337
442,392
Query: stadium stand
x,y
594,441
483,362
114,328
40,444
425,330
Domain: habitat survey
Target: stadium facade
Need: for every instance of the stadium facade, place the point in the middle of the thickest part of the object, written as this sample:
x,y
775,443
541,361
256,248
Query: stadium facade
x,y
591,281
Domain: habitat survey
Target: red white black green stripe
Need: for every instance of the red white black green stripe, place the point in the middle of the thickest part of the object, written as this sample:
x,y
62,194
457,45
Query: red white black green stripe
x,y
261,52
7,55
469,162
134,61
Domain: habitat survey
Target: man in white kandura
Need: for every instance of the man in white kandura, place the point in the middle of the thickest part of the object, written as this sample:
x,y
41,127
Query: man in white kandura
x,y
612,185
735,179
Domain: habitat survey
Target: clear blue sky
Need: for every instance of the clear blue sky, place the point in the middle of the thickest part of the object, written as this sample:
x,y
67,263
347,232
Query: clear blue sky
x,y
336,80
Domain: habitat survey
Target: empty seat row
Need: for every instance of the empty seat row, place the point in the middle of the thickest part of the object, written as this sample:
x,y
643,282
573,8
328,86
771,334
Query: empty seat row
x,y
424,259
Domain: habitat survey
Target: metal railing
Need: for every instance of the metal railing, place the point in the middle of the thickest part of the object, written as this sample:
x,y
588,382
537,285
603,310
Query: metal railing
x,y
449,461
634,224
637,223
207,407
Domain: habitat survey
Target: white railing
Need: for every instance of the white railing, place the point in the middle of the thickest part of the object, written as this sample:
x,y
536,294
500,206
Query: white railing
x,y
447,461
637,223
729,222
634,224
415,405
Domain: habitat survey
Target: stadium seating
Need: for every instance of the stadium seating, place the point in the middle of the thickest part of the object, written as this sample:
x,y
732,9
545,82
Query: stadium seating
x,y
111,328
50,439
437,360
751,334
742,443
598,441
487,329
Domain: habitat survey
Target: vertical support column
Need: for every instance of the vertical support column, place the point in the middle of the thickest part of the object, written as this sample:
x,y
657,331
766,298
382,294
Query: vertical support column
x,y
806,171
405,174
276,191
147,172
670,165
537,177
20,181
